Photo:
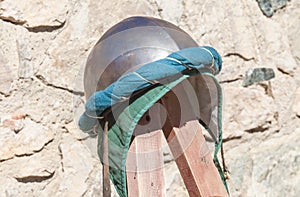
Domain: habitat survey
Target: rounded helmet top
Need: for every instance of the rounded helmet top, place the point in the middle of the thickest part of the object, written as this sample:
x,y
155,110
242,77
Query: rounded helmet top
x,y
129,44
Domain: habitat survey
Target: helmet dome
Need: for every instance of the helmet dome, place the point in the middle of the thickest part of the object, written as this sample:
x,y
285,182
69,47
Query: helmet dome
x,y
129,44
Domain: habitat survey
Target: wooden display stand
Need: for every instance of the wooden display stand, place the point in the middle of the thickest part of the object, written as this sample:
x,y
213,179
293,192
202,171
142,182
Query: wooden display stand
x,y
173,118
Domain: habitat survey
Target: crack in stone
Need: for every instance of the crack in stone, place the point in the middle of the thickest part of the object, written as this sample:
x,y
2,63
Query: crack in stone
x,y
61,158
35,178
231,138
6,159
24,154
239,55
36,29
284,72
45,28
83,139
258,129
45,82
32,119
27,154
12,20
268,89
4,94
35,151
231,80
78,139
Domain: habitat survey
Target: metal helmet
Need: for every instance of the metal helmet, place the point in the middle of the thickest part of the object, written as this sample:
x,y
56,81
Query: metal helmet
x,y
136,41
129,44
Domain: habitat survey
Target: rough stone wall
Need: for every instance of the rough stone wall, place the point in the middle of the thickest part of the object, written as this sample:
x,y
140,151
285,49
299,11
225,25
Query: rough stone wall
x,y
44,45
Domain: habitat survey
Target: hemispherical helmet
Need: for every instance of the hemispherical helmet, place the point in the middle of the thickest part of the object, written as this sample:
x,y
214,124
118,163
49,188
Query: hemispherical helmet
x,y
129,44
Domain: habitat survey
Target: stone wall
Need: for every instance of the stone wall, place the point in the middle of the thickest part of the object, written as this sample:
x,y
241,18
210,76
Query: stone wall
x,y
43,49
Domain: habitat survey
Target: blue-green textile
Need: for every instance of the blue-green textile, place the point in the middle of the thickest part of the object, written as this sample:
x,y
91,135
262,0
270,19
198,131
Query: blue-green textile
x,y
160,71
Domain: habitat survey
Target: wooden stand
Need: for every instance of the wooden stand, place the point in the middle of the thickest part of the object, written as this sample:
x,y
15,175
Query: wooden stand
x,y
174,119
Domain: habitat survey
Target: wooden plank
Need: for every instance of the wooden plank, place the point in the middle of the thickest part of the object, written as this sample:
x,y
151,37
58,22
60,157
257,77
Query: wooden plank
x,y
145,174
193,158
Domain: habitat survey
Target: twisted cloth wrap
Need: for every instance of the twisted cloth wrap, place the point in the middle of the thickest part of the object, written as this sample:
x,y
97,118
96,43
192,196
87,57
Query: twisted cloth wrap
x,y
162,76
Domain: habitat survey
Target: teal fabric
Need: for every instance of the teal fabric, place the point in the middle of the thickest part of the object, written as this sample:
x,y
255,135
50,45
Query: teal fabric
x,y
220,140
159,72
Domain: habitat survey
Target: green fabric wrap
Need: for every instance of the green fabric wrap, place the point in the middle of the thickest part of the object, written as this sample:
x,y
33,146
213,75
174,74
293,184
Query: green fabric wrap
x,y
120,133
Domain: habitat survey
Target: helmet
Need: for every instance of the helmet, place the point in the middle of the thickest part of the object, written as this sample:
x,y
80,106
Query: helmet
x,y
136,41
129,44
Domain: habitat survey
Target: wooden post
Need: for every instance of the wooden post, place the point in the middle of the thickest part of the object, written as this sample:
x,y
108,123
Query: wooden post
x,y
183,133
145,175
105,167
148,176
144,165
